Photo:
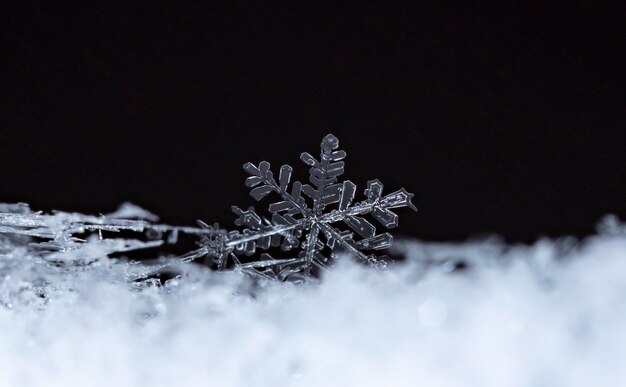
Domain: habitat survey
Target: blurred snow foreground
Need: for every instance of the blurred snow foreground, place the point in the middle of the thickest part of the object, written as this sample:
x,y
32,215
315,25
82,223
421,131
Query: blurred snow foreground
x,y
479,313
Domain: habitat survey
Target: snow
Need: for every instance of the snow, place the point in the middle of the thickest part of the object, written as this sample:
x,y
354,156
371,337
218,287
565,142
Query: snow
x,y
549,314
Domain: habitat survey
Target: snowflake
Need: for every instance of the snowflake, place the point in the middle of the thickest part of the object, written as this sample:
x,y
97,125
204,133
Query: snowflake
x,y
57,232
294,224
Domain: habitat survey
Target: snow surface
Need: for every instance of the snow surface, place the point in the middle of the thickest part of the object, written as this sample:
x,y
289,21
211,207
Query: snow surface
x,y
550,314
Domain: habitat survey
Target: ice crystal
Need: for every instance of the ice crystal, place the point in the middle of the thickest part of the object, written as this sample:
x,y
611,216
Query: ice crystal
x,y
300,221
308,226
71,239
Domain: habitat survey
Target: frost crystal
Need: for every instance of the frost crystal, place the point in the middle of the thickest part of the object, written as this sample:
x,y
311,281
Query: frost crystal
x,y
300,221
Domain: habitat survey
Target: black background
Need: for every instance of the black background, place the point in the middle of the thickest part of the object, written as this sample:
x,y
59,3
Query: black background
x,y
501,118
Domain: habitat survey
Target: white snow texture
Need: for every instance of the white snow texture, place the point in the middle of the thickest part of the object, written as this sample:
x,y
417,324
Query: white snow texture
x,y
550,314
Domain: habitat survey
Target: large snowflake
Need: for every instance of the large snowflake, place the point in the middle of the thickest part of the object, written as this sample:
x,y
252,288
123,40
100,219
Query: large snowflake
x,y
307,226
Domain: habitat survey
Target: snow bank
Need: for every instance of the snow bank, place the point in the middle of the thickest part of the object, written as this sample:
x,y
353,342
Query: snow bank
x,y
471,314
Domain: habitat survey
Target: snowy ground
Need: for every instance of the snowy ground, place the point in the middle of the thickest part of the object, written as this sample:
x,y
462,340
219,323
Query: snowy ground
x,y
551,314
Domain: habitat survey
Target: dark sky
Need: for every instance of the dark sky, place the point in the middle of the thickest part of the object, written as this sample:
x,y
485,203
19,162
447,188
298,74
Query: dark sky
x,y
501,119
